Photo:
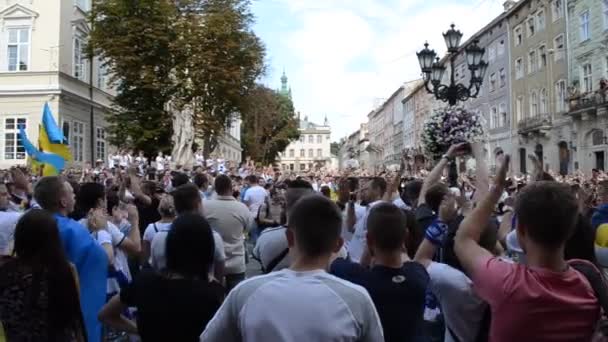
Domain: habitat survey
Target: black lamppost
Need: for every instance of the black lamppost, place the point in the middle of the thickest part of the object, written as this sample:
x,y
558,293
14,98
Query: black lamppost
x,y
433,69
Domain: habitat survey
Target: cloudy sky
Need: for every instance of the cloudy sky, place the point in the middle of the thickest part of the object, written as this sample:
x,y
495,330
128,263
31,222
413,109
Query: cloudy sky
x,y
343,56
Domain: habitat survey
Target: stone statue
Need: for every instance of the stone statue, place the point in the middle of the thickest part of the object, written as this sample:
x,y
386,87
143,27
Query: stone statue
x,y
183,135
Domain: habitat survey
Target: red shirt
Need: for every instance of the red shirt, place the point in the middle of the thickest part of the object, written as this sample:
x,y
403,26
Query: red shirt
x,y
534,304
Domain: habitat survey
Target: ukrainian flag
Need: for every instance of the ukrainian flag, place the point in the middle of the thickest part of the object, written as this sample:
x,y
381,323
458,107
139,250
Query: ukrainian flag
x,y
53,150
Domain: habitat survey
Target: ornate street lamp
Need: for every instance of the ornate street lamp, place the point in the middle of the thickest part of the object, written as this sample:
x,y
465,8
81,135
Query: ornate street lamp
x,y
432,72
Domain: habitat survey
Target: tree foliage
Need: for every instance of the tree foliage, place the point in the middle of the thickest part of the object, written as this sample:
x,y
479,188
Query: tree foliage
x,y
201,53
269,124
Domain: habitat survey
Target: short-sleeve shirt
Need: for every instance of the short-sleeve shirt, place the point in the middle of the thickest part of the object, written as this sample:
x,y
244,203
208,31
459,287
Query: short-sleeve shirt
x,y
172,309
8,221
398,294
520,297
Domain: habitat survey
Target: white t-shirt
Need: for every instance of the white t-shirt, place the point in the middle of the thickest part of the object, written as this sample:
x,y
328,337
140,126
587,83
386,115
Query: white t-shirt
x,y
8,221
154,228
359,214
359,240
160,163
113,236
254,197
462,310
291,306
158,247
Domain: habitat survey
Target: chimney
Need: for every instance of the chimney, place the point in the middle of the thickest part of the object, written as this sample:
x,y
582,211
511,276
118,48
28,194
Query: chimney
x,y
509,4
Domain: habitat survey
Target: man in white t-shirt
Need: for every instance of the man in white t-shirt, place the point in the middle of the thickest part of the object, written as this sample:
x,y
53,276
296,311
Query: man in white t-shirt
x,y
372,193
187,199
304,302
160,163
8,221
255,196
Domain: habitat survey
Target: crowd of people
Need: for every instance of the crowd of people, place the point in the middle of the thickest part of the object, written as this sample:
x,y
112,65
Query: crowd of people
x,y
139,251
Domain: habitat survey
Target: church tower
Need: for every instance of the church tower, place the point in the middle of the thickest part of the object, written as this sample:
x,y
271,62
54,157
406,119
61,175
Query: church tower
x,y
285,89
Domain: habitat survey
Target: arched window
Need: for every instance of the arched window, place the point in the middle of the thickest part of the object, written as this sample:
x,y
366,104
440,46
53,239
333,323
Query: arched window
x,y
533,104
543,101
597,137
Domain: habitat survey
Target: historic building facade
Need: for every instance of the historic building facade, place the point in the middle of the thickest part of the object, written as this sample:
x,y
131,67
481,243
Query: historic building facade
x,y
538,83
588,75
43,59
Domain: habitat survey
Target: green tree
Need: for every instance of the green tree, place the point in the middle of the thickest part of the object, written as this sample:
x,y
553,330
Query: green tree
x,y
197,53
269,124
335,147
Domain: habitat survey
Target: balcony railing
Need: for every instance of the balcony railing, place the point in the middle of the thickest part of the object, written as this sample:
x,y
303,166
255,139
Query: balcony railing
x,y
587,102
535,124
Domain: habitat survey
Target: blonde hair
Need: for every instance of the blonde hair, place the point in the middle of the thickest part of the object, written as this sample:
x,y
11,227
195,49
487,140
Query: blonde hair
x,y
166,208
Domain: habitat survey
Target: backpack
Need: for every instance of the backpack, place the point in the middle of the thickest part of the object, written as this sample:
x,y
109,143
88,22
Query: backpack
x,y
595,278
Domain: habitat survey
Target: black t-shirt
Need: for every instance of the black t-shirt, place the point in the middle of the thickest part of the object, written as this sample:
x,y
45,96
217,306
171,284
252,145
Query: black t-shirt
x,y
172,309
397,293
147,213
424,216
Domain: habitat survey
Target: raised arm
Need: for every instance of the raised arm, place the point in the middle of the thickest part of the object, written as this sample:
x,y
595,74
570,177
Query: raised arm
x,y
482,180
435,233
435,175
466,243
394,184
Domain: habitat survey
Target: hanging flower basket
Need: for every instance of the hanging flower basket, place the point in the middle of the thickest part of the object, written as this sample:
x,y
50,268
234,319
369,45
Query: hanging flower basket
x,y
448,126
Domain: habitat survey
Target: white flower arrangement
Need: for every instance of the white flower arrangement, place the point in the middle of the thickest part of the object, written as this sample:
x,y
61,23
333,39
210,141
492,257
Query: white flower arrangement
x,y
448,126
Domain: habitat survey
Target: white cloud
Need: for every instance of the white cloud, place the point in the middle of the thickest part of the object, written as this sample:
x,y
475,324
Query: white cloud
x,y
347,53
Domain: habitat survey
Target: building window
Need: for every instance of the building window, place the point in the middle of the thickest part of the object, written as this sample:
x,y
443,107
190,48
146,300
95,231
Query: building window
x,y
501,47
80,59
519,108
102,78
18,49
493,117
518,35
543,101
542,57
100,143
532,62
502,110
463,72
587,78
558,45
533,103
540,20
292,153
560,95
492,53
13,146
319,139
519,68
319,153
492,82
584,22
83,4
503,77
311,139
302,167
77,141
531,27
310,153
302,137
557,9
302,153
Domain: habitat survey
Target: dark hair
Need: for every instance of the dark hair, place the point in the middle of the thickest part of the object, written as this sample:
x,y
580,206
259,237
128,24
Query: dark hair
x,y
47,192
548,211
223,185
581,244
299,184
415,235
179,179
253,179
326,191
387,224
379,184
38,245
434,196
411,192
201,180
87,198
487,240
190,246
186,198
317,224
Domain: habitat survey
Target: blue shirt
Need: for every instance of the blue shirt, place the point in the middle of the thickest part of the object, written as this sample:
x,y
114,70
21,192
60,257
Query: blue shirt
x,y
92,265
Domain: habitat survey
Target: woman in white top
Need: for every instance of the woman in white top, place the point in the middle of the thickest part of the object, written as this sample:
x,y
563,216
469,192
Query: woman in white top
x,y
167,214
